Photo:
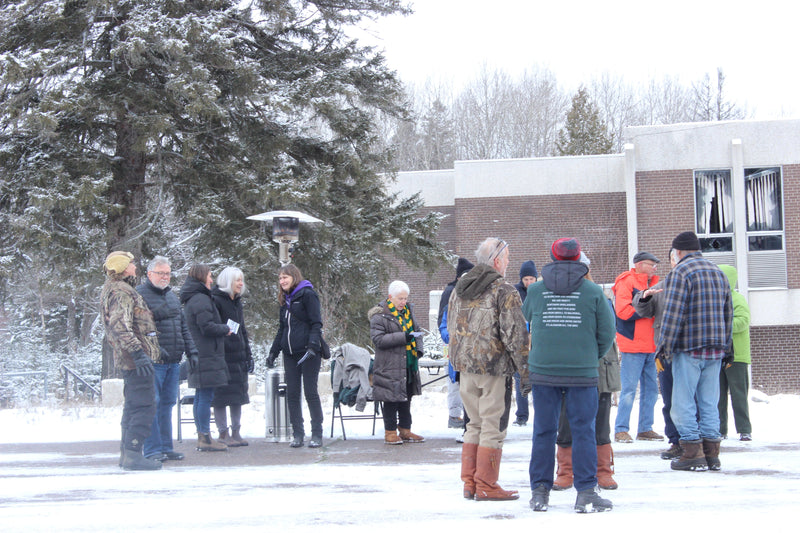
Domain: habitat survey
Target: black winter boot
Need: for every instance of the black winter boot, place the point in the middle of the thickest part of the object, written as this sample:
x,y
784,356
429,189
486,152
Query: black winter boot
x,y
132,458
541,499
589,501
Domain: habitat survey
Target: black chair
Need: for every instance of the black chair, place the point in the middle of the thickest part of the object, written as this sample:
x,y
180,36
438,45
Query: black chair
x,y
186,398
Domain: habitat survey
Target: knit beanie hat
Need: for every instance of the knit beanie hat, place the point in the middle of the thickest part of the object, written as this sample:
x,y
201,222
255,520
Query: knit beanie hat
x,y
528,268
464,265
565,249
117,262
686,241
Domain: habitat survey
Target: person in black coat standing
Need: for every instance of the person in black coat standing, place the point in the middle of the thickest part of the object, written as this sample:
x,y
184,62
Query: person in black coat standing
x,y
207,370
174,340
299,337
227,296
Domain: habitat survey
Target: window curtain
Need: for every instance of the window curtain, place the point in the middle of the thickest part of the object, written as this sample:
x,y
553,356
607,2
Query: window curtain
x,y
714,202
763,200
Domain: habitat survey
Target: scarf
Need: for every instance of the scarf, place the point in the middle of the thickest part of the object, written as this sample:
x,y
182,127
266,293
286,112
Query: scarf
x,y
406,324
301,285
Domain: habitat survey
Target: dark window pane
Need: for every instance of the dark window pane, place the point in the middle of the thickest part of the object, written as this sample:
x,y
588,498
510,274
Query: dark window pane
x,y
716,244
765,242
713,201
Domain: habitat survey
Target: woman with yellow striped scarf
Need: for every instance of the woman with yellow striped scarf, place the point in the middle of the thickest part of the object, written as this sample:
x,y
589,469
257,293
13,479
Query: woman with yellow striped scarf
x,y
398,347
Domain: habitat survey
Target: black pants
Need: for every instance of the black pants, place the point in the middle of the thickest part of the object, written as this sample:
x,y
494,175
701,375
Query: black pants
x,y
303,378
396,414
602,424
138,410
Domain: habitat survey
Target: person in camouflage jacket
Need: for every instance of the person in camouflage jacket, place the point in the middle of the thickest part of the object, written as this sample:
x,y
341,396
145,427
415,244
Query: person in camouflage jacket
x,y
488,343
131,333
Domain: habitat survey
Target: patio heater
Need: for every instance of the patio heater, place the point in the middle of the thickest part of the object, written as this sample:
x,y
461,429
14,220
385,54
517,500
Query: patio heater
x,y
285,230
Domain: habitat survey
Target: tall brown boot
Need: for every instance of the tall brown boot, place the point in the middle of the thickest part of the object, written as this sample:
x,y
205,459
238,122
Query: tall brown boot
x,y
605,467
564,473
487,470
469,459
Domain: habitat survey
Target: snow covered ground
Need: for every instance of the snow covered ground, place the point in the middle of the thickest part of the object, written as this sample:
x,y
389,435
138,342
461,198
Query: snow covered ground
x,y
758,487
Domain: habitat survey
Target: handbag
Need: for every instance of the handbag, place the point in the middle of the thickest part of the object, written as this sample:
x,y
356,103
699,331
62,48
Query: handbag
x,y
325,350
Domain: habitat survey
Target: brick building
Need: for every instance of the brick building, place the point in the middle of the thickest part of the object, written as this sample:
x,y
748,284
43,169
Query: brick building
x,y
737,184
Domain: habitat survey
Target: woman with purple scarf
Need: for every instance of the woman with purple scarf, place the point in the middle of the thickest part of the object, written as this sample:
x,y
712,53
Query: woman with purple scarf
x,y
299,338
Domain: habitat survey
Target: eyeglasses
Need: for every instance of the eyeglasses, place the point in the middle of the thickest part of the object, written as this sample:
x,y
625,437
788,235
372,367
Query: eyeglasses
x,y
161,274
501,245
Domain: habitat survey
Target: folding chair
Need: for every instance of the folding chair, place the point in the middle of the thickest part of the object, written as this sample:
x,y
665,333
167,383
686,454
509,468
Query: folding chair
x,y
342,385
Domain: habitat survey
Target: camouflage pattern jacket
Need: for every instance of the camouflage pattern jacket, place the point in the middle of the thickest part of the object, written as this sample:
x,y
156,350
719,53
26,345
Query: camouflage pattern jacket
x,y
130,325
488,334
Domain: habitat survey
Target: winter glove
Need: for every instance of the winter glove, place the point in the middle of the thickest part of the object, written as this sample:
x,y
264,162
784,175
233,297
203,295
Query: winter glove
x,y
144,365
311,352
661,361
409,337
727,361
525,388
271,359
194,363
251,366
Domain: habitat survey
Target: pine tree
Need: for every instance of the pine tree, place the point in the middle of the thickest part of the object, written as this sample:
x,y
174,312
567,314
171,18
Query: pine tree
x,y
584,133
154,126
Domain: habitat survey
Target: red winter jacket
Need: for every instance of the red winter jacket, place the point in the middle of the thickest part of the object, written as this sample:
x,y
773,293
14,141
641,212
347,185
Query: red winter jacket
x,y
634,333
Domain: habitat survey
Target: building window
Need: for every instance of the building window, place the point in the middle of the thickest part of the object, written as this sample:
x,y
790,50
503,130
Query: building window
x,y
714,210
764,209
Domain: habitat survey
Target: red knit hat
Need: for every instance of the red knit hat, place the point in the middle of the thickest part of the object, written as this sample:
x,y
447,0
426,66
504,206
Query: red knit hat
x,y
566,249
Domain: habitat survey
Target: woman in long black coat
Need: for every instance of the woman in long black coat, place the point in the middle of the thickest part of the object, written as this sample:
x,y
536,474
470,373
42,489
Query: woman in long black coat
x,y
207,369
300,339
227,296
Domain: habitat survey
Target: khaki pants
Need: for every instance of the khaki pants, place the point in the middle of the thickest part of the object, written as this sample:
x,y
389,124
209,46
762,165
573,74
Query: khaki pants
x,y
487,401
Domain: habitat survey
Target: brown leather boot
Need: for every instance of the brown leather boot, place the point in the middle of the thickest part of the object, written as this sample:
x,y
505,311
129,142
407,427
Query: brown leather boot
x,y
692,458
564,473
392,438
469,459
605,467
206,444
711,452
487,470
226,439
237,437
407,436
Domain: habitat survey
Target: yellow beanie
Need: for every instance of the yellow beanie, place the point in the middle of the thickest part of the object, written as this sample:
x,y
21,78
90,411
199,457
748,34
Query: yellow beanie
x,y
117,262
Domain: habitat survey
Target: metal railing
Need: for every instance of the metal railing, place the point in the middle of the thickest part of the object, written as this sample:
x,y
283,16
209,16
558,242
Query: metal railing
x,y
77,382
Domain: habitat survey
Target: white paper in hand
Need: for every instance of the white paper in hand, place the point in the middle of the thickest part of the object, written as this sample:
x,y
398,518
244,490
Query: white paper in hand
x,y
234,326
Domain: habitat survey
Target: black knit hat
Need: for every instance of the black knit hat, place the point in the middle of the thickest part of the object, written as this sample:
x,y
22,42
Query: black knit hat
x,y
528,268
686,241
464,265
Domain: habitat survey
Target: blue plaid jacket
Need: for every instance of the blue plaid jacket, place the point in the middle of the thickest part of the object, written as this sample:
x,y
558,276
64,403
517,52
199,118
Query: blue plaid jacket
x,y
697,310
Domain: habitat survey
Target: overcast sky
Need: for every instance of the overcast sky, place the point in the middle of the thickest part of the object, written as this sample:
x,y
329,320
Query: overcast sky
x,y
754,43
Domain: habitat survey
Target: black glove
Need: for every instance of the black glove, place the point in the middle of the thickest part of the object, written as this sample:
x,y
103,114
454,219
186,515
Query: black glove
x,y
526,388
727,360
144,365
271,360
194,363
251,366
661,361
409,337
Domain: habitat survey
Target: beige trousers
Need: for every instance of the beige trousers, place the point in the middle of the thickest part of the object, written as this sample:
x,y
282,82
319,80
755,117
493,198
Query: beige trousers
x,y
487,402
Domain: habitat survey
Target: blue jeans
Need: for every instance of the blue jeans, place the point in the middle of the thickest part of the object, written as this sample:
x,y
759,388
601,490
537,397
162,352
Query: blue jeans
x,y
581,411
522,401
695,395
637,368
160,439
202,409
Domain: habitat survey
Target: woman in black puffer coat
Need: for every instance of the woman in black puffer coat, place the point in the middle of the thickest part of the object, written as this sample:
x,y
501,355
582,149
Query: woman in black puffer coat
x,y
300,339
207,369
227,296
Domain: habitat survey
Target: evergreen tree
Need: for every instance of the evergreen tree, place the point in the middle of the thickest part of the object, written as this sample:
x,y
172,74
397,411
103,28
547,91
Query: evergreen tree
x,y
158,126
584,132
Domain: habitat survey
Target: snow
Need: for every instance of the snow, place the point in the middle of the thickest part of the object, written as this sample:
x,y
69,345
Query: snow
x,y
338,489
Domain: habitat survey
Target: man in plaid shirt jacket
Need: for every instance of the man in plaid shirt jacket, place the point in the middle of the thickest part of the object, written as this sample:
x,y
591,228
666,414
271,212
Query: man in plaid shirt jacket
x,y
696,336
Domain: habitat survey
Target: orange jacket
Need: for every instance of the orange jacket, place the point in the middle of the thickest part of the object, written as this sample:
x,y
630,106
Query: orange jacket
x,y
634,333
